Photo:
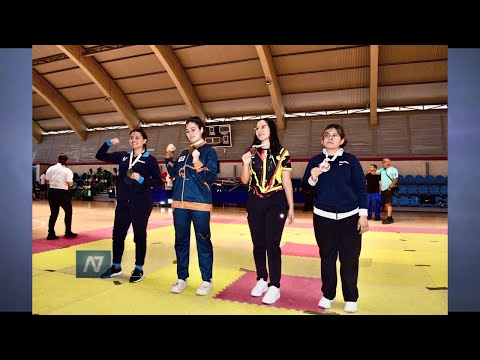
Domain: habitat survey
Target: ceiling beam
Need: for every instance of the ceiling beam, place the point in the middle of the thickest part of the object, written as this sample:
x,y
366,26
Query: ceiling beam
x,y
37,132
180,78
102,48
373,84
60,104
108,87
271,81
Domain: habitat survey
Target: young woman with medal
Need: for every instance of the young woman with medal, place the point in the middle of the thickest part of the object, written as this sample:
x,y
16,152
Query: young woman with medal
x,y
340,215
138,173
193,173
267,169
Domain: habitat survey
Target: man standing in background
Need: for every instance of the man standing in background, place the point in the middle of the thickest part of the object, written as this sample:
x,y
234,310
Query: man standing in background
x,y
43,186
389,178
60,179
374,192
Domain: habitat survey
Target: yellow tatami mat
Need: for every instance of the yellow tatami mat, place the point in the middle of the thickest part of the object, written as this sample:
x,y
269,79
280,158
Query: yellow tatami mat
x,y
400,273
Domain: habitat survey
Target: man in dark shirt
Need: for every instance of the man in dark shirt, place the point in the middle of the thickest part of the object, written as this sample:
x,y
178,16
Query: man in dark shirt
x,y
374,192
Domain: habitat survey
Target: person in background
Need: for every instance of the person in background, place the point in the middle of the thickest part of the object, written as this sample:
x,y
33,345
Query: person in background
x,y
267,170
138,173
60,179
193,174
43,186
389,178
374,192
340,215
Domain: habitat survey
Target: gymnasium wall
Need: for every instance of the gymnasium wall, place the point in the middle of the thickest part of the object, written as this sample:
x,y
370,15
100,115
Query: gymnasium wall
x,y
411,139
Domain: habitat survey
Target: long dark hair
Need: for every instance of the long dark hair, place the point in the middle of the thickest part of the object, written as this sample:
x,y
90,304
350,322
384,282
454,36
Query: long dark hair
x,y
275,145
197,121
144,135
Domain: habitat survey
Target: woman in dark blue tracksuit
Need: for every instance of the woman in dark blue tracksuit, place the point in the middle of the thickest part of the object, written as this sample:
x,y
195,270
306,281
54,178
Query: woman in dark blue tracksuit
x,y
193,172
340,215
138,172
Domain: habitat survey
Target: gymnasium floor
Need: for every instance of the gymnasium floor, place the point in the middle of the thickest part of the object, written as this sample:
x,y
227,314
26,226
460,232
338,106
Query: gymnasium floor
x,y
403,267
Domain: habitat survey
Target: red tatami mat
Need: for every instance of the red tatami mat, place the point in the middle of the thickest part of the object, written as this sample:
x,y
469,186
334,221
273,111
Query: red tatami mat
x,y
41,245
296,292
306,250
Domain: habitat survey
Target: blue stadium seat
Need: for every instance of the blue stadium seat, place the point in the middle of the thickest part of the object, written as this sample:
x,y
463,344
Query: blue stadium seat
x,y
395,201
423,190
439,202
415,201
412,190
403,201
401,180
434,190
429,180
402,190
419,180
409,180
440,180
444,190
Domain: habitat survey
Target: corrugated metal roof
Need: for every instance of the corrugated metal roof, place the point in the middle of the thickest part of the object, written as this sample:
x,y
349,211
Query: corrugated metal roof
x,y
230,80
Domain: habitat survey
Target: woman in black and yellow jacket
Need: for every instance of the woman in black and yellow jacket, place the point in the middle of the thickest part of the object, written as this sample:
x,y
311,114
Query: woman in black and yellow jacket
x,y
267,170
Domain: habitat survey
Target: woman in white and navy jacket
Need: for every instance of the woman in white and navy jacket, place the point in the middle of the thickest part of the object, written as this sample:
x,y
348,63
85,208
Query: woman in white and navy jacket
x,y
138,172
340,215
193,174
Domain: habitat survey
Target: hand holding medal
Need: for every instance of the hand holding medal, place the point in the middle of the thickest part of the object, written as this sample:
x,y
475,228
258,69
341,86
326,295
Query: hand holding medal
x,y
324,165
130,172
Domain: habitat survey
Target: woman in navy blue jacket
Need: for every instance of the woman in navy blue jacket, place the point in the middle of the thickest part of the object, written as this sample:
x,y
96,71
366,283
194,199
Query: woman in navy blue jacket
x,y
194,172
138,172
340,215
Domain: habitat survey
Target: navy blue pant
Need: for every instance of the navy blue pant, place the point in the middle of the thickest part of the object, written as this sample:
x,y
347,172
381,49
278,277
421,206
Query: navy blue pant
x,y
375,200
182,219
338,239
135,213
266,219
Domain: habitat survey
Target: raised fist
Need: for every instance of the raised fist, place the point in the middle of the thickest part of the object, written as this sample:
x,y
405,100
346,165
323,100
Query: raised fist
x,y
115,141
247,158
171,148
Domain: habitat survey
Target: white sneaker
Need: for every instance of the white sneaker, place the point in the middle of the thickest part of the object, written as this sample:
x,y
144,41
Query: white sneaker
x,y
260,288
351,306
325,303
272,295
204,288
178,286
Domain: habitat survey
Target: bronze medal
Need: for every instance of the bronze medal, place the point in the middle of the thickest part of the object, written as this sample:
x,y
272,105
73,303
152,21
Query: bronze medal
x,y
129,172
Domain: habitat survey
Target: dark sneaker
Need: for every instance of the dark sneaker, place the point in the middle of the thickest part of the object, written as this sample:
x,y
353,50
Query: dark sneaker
x,y
70,235
377,219
52,237
136,276
387,221
113,271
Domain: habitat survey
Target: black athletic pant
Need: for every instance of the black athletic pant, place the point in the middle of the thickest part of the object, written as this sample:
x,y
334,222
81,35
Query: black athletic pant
x,y
266,219
338,238
58,198
136,213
